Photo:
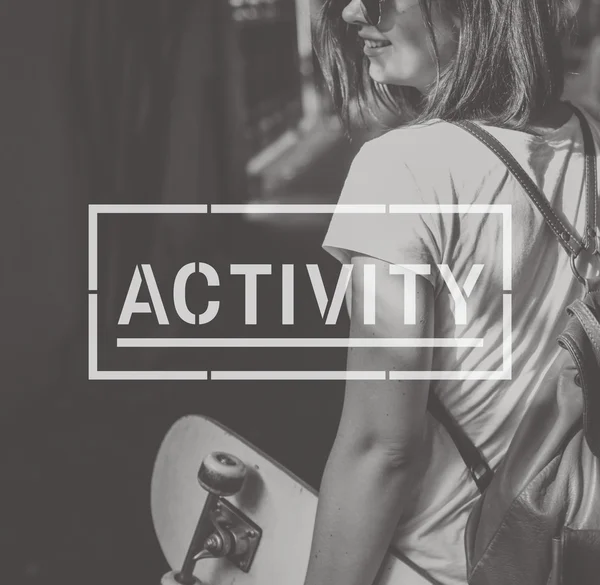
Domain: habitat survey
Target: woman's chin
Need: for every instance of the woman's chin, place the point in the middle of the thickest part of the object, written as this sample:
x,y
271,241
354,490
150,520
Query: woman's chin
x,y
377,73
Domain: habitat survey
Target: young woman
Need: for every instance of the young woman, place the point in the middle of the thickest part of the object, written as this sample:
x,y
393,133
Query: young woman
x,y
498,283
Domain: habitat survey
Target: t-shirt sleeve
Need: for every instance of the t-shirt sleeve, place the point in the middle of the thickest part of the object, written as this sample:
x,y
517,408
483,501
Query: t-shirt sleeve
x,y
382,213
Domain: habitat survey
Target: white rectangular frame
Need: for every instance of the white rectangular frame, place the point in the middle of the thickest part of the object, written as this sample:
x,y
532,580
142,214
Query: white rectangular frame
x,y
505,210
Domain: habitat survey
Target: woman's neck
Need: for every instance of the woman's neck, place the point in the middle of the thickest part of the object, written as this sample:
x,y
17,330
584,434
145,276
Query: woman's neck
x,y
549,119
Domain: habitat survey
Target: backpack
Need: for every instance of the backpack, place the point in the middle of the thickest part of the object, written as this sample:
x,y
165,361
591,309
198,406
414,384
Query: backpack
x,y
537,519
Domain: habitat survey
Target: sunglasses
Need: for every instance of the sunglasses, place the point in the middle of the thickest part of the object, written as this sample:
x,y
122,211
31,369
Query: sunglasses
x,y
372,10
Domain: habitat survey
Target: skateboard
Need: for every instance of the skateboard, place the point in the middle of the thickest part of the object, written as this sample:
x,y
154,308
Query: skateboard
x,y
225,513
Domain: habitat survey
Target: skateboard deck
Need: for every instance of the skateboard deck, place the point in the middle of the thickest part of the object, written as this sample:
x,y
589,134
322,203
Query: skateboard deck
x,y
282,505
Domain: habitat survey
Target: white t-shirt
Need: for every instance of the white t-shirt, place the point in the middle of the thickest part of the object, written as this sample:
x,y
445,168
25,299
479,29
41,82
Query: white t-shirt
x,y
441,164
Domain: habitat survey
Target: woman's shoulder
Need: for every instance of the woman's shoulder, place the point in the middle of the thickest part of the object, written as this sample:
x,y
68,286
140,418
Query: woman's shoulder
x,y
435,148
426,134
420,164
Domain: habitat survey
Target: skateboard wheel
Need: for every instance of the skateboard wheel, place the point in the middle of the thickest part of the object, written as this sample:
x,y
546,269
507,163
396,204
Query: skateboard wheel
x,y
170,578
222,474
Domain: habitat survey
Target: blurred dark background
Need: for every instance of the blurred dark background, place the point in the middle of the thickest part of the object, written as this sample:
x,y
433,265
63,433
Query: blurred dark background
x,y
148,101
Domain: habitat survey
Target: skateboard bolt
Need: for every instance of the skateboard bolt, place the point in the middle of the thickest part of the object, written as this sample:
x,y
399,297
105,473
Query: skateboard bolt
x,y
213,544
251,533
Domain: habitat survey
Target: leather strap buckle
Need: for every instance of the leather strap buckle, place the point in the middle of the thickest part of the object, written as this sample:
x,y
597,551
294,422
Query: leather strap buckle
x,y
576,272
586,257
482,475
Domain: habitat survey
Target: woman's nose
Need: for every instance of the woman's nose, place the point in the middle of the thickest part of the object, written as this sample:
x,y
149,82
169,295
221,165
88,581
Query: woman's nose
x,y
354,13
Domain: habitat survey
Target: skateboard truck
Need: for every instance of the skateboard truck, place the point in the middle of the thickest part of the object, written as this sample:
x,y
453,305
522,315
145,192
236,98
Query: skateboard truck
x,y
222,530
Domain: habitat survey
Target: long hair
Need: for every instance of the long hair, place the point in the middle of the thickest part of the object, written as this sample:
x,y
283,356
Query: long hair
x,y
508,65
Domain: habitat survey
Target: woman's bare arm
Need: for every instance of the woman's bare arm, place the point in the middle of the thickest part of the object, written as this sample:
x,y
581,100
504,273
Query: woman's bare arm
x,y
375,461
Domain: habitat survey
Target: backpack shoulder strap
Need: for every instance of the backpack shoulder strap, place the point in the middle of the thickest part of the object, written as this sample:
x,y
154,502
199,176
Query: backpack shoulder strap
x,y
567,237
564,232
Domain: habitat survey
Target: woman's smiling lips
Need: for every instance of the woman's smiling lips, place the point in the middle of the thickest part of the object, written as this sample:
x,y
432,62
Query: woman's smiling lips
x,y
374,46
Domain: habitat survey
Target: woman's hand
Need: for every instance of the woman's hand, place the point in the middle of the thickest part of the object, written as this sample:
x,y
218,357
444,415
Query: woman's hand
x,y
377,456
